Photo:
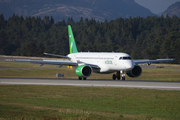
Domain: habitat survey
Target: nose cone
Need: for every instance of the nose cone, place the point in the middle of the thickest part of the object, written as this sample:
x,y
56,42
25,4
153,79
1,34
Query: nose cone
x,y
129,65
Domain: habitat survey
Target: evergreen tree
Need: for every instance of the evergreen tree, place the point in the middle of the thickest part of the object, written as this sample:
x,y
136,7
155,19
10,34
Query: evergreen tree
x,y
150,37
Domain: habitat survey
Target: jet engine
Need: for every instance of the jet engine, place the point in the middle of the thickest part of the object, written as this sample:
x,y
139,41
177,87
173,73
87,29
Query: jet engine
x,y
83,71
135,72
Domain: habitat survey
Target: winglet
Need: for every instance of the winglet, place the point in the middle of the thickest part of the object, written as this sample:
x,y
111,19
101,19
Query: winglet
x,y
72,44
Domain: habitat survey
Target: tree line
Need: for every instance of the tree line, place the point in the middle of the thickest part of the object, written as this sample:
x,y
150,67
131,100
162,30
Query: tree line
x,y
142,38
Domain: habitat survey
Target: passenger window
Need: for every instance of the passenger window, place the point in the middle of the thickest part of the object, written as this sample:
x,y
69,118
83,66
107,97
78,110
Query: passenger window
x,y
120,58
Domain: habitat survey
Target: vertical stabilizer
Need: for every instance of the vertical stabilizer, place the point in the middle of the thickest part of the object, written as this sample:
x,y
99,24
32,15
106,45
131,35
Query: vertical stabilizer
x,y
72,44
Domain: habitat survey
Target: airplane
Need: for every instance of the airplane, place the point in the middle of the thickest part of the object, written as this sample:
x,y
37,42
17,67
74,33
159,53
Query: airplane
x,y
98,62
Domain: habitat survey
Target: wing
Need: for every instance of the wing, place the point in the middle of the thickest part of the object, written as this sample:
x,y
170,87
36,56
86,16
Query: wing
x,y
151,61
52,62
56,62
61,56
83,63
93,66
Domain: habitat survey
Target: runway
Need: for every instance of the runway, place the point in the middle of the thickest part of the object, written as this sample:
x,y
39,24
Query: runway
x,y
161,85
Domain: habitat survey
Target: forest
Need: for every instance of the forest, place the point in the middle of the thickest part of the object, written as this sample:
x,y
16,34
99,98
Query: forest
x,y
143,38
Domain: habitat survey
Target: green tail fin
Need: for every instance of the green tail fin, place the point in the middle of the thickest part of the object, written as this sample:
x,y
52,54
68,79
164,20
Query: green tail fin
x,y
72,44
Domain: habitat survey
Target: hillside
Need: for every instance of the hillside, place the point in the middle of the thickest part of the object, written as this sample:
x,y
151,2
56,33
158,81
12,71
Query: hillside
x,y
173,10
62,9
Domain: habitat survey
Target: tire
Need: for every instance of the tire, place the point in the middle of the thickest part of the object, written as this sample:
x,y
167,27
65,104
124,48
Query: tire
x,y
114,77
123,78
118,77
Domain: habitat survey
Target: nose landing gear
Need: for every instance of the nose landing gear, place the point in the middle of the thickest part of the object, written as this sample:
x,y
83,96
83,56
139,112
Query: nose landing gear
x,y
120,75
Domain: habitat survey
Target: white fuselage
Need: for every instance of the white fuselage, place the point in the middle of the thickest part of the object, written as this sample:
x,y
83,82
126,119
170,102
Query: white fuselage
x,y
107,62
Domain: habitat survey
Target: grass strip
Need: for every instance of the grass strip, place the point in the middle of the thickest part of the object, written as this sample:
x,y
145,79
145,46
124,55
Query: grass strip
x,y
47,102
159,75
70,73
29,70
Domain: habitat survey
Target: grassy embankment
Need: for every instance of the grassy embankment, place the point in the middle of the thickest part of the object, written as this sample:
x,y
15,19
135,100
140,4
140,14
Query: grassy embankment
x,y
29,70
80,103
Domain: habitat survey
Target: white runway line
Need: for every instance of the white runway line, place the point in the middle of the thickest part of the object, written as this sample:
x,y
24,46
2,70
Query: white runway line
x,y
94,85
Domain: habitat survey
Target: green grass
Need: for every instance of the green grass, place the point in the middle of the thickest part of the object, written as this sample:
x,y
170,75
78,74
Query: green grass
x,y
44,102
67,103
160,75
29,70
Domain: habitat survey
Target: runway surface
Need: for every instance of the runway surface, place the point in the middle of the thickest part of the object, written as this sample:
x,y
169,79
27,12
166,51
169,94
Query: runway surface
x,y
162,85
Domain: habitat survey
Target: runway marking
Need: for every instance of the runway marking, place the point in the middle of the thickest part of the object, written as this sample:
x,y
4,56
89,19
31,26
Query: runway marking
x,y
95,85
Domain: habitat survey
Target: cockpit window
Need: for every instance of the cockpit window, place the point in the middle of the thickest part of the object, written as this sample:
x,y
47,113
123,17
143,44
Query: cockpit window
x,y
125,58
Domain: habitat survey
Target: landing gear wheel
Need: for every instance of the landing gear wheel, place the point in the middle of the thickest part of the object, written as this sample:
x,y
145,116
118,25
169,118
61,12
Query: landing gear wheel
x,y
122,78
118,75
114,77
84,78
80,78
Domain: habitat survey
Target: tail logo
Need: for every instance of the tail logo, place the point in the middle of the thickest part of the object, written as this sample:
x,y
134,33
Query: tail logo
x,y
71,45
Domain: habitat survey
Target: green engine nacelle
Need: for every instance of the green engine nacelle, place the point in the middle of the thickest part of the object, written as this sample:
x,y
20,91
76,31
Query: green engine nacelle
x,y
135,72
83,71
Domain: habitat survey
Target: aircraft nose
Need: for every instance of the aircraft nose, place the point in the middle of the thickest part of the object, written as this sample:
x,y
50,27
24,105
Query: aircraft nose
x,y
130,65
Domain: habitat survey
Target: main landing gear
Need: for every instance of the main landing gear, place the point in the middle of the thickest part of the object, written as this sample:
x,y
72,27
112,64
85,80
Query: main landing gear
x,y
80,78
119,75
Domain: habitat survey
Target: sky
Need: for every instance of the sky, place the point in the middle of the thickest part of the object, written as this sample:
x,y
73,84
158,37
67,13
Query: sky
x,y
156,6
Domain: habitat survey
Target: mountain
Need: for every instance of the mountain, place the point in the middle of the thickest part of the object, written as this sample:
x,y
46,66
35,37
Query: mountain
x,y
174,9
161,13
62,9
